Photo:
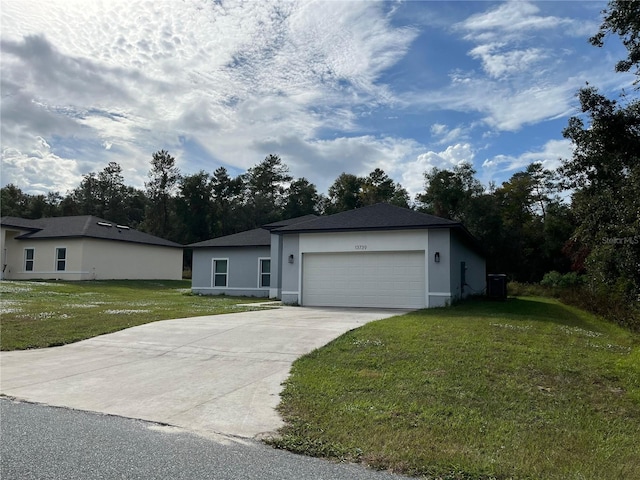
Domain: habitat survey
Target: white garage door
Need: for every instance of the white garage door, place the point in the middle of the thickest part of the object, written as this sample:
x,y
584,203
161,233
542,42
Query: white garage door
x,y
364,279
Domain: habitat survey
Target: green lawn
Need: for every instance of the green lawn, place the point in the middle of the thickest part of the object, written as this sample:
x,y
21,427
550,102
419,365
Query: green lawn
x,y
45,314
527,388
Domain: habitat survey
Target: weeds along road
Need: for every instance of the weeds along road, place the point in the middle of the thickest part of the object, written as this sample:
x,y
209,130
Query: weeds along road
x,y
42,442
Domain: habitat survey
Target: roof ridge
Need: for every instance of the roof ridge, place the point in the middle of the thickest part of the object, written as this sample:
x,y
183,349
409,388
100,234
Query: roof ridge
x,y
87,224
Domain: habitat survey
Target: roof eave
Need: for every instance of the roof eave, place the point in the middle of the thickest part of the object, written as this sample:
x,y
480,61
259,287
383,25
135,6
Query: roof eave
x,y
366,229
267,245
26,236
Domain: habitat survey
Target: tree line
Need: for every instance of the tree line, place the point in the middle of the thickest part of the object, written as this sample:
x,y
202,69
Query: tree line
x,y
583,217
196,207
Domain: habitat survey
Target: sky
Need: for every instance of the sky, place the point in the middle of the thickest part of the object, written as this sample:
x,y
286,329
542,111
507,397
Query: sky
x,y
329,86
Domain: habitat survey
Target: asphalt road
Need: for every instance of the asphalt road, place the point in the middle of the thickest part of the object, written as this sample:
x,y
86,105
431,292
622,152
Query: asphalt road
x,y
43,442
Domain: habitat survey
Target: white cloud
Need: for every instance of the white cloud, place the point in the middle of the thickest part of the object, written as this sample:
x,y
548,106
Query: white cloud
x,y
550,156
504,106
525,78
453,155
49,171
135,77
230,82
445,135
515,19
498,61
323,160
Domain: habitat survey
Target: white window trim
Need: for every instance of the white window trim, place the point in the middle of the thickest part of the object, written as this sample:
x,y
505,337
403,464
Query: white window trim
x,y
260,259
33,260
213,273
55,259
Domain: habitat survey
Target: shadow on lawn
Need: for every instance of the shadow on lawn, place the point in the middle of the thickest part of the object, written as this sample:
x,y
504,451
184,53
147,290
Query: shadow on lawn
x,y
532,308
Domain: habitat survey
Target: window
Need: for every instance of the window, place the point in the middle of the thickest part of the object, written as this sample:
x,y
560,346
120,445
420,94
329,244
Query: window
x,y
265,272
29,257
61,259
220,272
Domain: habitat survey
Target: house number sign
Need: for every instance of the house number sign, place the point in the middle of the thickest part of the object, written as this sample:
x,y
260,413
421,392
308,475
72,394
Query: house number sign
x,y
361,247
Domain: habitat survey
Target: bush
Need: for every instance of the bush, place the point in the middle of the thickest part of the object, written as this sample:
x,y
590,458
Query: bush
x,y
557,280
608,305
517,289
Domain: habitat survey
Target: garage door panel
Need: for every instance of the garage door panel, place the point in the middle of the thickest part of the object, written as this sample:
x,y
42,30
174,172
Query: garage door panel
x,y
364,279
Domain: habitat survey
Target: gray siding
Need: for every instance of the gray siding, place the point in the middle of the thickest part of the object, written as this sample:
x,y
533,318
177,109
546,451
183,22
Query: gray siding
x,y
439,284
290,271
276,261
475,274
242,271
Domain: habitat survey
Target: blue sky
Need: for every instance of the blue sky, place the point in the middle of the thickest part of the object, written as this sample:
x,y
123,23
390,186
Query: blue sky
x,y
329,86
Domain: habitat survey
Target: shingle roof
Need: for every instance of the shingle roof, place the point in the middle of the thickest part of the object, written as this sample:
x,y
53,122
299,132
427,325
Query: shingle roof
x,y
291,221
22,223
380,216
258,237
85,226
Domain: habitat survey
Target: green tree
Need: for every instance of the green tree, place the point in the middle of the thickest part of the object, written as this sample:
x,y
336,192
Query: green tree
x,y
229,214
135,205
85,197
344,194
301,199
164,176
110,195
377,187
13,202
604,172
265,185
448,193
194,206
104,194
544,187
535,225
622,17
484,221
40,206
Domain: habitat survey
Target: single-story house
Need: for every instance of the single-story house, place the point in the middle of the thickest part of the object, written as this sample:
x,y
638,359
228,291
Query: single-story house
x,y
375,256
84,247
238,264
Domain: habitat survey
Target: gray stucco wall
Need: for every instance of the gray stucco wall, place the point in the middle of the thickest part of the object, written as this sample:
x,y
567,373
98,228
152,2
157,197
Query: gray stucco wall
x,y
475,274
242,271
276,271
290,271
439,285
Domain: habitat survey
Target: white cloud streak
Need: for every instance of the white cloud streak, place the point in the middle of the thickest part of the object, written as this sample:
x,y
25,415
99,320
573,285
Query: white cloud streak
x,y
229,77
514,19
85,83
550,156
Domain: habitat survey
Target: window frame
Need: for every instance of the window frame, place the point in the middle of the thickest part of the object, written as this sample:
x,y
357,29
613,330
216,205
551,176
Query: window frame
x,y
262,274
32,260
214,262
63,259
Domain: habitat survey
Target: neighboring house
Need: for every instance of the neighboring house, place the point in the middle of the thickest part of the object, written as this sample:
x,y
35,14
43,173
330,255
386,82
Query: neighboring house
x,y
84,248
238,264
375,256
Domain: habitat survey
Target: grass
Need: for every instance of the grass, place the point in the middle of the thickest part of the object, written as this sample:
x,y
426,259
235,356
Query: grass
x,y
46,314
528,389
605,303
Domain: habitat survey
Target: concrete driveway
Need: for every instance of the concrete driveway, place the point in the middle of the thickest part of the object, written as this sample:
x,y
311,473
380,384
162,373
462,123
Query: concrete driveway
x,y
212,374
